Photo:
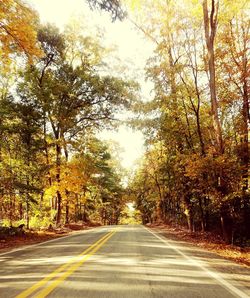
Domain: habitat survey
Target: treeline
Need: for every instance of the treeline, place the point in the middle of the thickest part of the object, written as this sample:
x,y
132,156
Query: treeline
x,y
55,95
195,172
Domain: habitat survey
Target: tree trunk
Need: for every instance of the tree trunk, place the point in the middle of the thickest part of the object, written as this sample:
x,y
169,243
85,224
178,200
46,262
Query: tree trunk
x,y
84,216
210,26
245,159
66,191
203,223
226,223
245,110
189,213
46,148
20,211
67,213
202,145
27,213
58,180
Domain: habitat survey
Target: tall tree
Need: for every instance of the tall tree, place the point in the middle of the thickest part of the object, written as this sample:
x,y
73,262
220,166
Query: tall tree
x,y
73,97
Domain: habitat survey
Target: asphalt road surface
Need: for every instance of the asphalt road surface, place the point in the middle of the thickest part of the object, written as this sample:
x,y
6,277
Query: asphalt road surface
x,y
119,261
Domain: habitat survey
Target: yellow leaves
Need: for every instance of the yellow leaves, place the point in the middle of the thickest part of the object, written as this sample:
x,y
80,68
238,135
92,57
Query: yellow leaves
x,y
18,34
72,180
134,4
50,192
195,9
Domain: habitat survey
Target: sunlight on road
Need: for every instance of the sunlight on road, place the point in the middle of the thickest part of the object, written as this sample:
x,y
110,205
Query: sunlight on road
x,y
132,262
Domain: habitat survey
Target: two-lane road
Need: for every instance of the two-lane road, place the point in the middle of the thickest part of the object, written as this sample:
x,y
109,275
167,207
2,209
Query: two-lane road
x,y
119,261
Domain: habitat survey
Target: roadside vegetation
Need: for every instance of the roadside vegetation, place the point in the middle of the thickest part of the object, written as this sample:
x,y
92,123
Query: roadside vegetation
x,y
56,94
195,172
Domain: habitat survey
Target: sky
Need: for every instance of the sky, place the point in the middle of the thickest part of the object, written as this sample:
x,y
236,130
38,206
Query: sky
x,y
132,48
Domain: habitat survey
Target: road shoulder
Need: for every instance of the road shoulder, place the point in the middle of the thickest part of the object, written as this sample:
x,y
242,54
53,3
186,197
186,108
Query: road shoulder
x,y
236,254
30,238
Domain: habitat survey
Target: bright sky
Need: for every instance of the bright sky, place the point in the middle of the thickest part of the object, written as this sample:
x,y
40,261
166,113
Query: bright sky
x,y
131,47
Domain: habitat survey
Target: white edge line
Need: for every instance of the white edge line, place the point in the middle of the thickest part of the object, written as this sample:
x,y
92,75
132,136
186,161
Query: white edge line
x,y
51,240
213,274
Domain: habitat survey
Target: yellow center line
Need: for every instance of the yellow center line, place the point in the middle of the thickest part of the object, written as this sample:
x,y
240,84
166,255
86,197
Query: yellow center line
x,y
43,293
55,273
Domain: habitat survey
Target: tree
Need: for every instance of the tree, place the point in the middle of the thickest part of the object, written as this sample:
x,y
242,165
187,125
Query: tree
x,y
73,98
233,64
21,160
198,108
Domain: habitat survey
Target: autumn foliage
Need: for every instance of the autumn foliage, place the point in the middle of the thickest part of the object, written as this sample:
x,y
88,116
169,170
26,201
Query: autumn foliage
x,y
195,172
53,168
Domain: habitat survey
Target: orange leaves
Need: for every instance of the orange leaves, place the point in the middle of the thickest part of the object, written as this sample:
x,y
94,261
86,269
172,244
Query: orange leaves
x,y
207,171
18,24
73,177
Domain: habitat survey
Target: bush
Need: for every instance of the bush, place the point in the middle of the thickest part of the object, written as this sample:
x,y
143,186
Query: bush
x,y
36,222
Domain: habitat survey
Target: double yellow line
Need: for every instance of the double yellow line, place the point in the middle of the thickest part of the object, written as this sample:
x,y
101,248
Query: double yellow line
x,y
65,270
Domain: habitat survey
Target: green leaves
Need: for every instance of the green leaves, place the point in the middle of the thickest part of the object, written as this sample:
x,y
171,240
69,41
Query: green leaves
x,y
56,105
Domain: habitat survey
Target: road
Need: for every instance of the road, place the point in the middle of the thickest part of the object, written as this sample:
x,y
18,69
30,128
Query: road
x,y
119,261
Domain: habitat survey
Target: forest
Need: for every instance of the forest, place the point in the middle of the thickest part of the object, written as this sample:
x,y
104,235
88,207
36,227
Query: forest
x,y
57,91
